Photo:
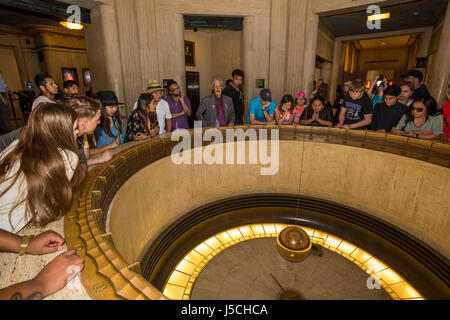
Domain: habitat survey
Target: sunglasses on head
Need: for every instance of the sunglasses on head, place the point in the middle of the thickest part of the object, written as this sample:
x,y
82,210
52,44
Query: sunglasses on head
x,y
417,109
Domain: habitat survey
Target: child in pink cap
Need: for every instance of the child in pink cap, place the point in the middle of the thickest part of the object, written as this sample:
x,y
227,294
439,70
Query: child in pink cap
x,y
300,106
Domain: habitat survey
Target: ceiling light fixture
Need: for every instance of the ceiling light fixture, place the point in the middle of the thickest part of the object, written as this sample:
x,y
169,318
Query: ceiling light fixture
x,y
380,16
72,26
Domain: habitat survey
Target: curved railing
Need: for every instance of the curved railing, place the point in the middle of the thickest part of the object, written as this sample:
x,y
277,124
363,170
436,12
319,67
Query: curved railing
x,y
108,276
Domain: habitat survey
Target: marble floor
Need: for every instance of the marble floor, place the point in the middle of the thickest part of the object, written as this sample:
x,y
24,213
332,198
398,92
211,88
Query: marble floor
x,y
244,272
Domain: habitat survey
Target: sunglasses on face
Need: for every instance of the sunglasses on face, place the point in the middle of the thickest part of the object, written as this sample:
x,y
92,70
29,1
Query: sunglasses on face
x,y
417,109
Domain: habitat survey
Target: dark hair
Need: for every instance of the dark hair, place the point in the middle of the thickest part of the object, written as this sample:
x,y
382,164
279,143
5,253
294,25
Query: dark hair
x,y
40,79
239,73
228,82
170,82
415,74
320,98
69,83
406,83
392,91
105,123
287,98
430,104
142,106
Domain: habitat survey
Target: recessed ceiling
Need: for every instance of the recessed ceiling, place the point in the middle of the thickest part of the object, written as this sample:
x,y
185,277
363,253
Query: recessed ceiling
x,y
14,18
409,15
386,43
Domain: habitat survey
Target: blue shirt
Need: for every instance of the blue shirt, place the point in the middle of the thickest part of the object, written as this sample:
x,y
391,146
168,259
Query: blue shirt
x,y
103,138
377,99
256,109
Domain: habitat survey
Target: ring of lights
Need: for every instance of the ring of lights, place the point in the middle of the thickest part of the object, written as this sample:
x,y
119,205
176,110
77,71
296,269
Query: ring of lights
x,y
406,255
181,281
108,276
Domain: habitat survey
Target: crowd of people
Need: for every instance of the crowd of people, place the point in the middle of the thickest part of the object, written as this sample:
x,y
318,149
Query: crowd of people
x,y
42,163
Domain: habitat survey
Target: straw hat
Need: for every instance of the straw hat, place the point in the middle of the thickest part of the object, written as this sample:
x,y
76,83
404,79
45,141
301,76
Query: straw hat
x,y
153,86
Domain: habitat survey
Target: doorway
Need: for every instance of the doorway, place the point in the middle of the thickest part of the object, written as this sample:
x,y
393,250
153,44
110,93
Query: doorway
x,y
193,93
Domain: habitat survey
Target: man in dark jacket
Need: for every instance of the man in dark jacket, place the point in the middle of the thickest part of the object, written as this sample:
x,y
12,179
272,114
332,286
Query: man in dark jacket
x,y
416,77
216,110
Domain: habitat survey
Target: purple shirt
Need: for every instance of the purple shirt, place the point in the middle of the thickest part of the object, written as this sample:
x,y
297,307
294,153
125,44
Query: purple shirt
x,y
180,122
222,120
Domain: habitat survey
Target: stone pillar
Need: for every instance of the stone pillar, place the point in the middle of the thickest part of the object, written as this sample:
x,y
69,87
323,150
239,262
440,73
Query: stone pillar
x,y
312,30
337,55
249,50
103,53
441,72
424,43
256,54
296,45
278,34
147,38
128,32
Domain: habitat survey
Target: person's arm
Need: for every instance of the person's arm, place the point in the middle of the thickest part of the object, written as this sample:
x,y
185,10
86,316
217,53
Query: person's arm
x,y
342,117
52,278
112,145
154,132
369,93
44,243
104,157
427,136
169,125
327,118
291,119
176,115
232,114
375,123
269,117
367,121
201,111
397,132
325,122
277,117
254,121
186,108
305,121
399,129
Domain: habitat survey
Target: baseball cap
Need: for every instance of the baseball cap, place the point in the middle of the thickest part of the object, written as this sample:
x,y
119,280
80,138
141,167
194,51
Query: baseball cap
x,y
301,94
266,95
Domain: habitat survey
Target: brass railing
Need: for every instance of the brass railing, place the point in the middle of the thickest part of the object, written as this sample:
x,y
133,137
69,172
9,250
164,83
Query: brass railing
x,y
108,276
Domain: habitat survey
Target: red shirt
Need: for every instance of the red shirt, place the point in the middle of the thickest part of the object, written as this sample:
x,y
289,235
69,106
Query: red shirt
x,y
446,110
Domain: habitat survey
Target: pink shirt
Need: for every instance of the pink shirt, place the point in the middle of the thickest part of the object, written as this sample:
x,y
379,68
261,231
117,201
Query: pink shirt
x,y
287,117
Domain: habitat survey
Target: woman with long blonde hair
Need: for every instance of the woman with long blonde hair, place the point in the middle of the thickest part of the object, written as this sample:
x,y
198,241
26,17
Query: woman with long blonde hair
x,y
39,170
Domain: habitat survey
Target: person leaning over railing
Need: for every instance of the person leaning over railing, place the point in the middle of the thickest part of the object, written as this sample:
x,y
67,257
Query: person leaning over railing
x,y
38,173
388,113
143,122
422,120
356,112
317,114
